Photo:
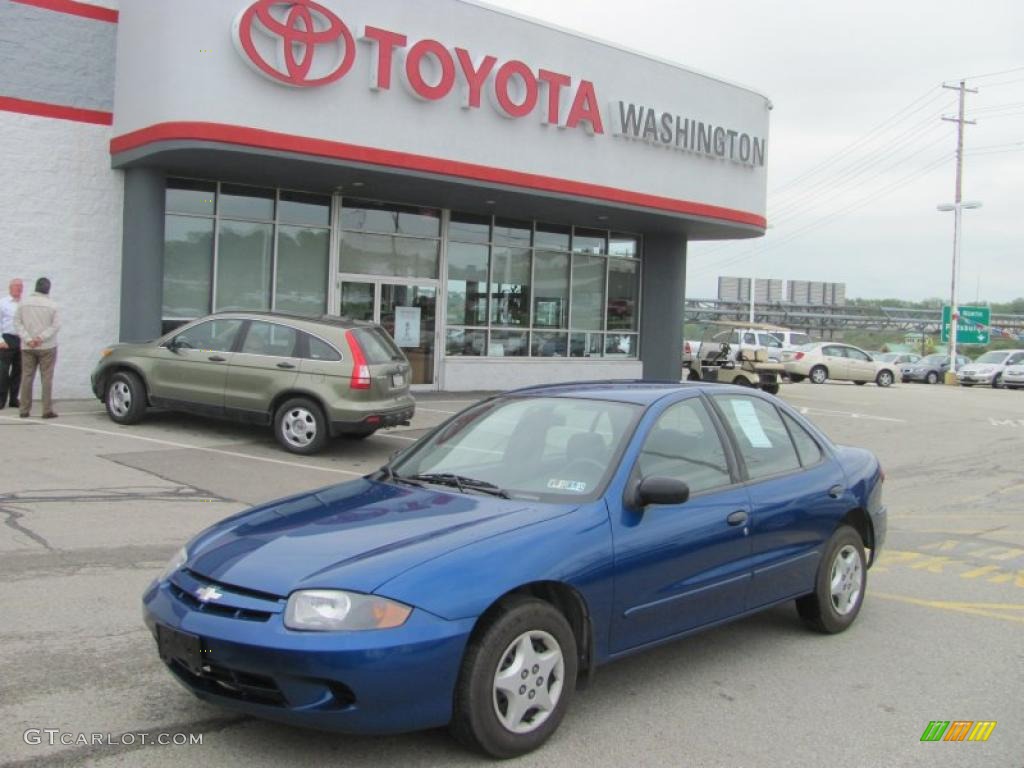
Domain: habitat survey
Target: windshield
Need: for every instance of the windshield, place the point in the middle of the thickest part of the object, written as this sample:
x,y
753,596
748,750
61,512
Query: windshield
x,y
993,357
934,360
543,448
887,357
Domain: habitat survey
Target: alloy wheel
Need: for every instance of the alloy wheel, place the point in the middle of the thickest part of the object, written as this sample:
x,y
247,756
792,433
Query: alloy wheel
x,y
847,580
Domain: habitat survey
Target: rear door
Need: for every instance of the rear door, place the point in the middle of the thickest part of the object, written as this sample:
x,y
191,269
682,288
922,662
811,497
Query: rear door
x,y
796,493
834,358
192,373
265,364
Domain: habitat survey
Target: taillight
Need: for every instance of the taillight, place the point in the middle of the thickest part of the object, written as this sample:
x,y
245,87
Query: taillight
x,y
360,370
686,349
798,356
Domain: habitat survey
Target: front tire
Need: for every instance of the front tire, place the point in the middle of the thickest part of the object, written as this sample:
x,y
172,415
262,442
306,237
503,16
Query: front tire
x,y
997,382
517,679
300,426
839,586
819,374
933,377
125,398
884,379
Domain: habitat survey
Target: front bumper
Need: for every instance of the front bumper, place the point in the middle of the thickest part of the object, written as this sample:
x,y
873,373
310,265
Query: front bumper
x,y
975,378
384,681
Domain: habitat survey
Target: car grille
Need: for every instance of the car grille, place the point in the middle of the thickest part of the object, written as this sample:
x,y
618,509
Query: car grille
x,y
216,609
232,683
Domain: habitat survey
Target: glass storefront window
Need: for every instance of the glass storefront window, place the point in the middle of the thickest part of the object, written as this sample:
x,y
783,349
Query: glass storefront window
x,y
587,292
467,284
188,266
388,219
510,286
623,245
553,237
550,344
585,344
623,290
238,202
551,290
512,233
468,228
465,342
308,210
620,345
388,256
244,254
589,241
303,255
186,196
508,344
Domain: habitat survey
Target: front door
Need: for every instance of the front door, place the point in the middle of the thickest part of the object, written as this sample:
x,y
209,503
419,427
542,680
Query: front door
x,y
406,310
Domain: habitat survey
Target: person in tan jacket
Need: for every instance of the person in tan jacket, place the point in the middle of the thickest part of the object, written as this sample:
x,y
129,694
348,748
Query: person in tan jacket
x,y
37,324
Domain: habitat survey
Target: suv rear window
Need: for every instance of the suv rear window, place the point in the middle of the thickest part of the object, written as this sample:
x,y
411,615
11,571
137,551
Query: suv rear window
x,y
377,346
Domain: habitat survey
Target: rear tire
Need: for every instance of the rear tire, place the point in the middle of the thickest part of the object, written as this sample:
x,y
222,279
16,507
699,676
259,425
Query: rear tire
x,y
125,398
884,379
771,389
860,383
819,374
300,426
997,382
741,381
692,375
528,631
839,586
933,377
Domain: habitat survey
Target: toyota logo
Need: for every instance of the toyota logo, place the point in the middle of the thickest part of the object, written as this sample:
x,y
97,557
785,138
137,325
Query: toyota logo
x,y
295,42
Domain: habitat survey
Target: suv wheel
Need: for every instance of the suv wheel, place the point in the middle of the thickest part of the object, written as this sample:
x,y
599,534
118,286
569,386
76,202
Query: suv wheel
x,y
125,398
300,426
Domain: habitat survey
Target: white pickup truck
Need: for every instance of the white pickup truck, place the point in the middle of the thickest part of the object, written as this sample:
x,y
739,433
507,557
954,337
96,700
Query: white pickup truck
x,y
738,338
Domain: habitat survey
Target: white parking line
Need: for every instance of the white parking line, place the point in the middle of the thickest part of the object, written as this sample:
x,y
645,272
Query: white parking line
x,y
186,446
398,437
849,414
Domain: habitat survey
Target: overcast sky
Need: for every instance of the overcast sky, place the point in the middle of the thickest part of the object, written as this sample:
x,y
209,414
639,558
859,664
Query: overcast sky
x,y
837,73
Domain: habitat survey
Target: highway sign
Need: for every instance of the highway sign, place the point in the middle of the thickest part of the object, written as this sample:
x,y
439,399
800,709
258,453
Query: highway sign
x,y
972,325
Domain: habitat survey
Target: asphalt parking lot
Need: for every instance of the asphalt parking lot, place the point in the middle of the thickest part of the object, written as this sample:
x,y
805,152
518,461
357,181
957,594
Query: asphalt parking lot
x,y
92,511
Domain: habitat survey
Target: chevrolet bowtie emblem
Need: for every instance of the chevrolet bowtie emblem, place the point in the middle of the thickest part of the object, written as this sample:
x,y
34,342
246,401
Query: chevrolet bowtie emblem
x,y
209,593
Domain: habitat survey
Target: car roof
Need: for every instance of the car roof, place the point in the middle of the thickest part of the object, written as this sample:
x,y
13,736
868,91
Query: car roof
x,y
638,392
331,320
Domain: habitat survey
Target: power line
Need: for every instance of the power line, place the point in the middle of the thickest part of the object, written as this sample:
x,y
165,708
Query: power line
x,y
993,74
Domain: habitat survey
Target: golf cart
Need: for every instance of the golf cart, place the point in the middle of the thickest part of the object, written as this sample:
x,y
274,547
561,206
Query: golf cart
x,y
720,359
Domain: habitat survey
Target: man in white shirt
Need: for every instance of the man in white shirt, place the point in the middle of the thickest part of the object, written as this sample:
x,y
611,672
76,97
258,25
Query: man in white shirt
x,y
10,346
37,324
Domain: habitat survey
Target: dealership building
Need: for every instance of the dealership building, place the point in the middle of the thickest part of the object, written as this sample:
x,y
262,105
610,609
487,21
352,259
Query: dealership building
x,y
512,201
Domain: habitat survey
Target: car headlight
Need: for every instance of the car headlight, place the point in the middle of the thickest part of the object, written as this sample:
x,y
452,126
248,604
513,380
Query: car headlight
x,y
176,562
328,610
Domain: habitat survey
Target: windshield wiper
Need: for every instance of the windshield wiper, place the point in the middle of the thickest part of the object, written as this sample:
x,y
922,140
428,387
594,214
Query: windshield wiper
x,y
459,481
390,476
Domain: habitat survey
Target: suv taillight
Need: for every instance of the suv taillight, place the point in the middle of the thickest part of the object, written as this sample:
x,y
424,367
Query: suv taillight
x,y
687,350
360,370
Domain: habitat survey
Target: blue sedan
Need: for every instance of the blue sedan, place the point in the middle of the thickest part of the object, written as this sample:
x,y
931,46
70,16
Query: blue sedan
x,y
483,574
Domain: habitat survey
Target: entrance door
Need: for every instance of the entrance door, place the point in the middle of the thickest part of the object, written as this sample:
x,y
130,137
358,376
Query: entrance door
x,y
408,311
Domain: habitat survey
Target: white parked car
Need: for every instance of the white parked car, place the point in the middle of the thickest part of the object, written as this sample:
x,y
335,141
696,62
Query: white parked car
x,y
990,368
1013,376
826,360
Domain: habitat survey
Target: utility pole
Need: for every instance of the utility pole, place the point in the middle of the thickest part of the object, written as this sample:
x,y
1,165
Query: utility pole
x,y
954,306
753,281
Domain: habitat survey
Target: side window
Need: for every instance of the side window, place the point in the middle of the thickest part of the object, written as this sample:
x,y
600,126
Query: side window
x,y
798,339
806,446
684,444
833,352
320,350
1016,359
270,339
749,338
856,354
769,340
763,440
211,336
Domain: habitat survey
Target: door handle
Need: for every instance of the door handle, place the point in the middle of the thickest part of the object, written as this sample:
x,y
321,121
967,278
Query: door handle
x,y
286,366
216,359
836,491
739,517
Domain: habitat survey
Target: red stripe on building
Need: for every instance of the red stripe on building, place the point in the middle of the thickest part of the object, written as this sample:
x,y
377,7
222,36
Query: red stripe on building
x,y
40,109
257,138
86,10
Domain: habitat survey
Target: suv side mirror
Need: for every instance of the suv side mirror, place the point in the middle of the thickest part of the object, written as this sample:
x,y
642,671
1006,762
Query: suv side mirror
x,y
660,490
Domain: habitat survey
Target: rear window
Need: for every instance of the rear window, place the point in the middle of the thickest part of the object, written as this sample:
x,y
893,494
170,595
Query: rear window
x,y
799,339
377,346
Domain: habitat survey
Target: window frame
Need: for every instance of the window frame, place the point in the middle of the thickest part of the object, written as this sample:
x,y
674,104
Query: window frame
x,y
745,471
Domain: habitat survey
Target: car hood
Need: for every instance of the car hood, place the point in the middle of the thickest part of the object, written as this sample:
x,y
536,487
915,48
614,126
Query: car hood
x,y
352,536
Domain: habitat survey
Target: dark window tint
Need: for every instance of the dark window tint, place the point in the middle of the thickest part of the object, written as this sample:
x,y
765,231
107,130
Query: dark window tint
x,y
377,346
763,440
211,336
469,228
184,196
320,350
304,209
552,236
390,219
806,446
269,339
834,352
246,202
684,444
856,354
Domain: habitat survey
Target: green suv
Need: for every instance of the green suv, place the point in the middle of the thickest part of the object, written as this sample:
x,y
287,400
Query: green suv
x,y
311,378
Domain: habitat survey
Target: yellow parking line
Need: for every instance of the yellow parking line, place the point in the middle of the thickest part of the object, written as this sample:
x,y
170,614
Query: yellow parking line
x,y
989,610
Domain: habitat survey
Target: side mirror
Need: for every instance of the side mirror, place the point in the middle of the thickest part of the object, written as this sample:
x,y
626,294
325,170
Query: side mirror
x,y
661,490
172,345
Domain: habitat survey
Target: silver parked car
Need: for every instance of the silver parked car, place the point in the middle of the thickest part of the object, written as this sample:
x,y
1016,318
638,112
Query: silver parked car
x,y
988,370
